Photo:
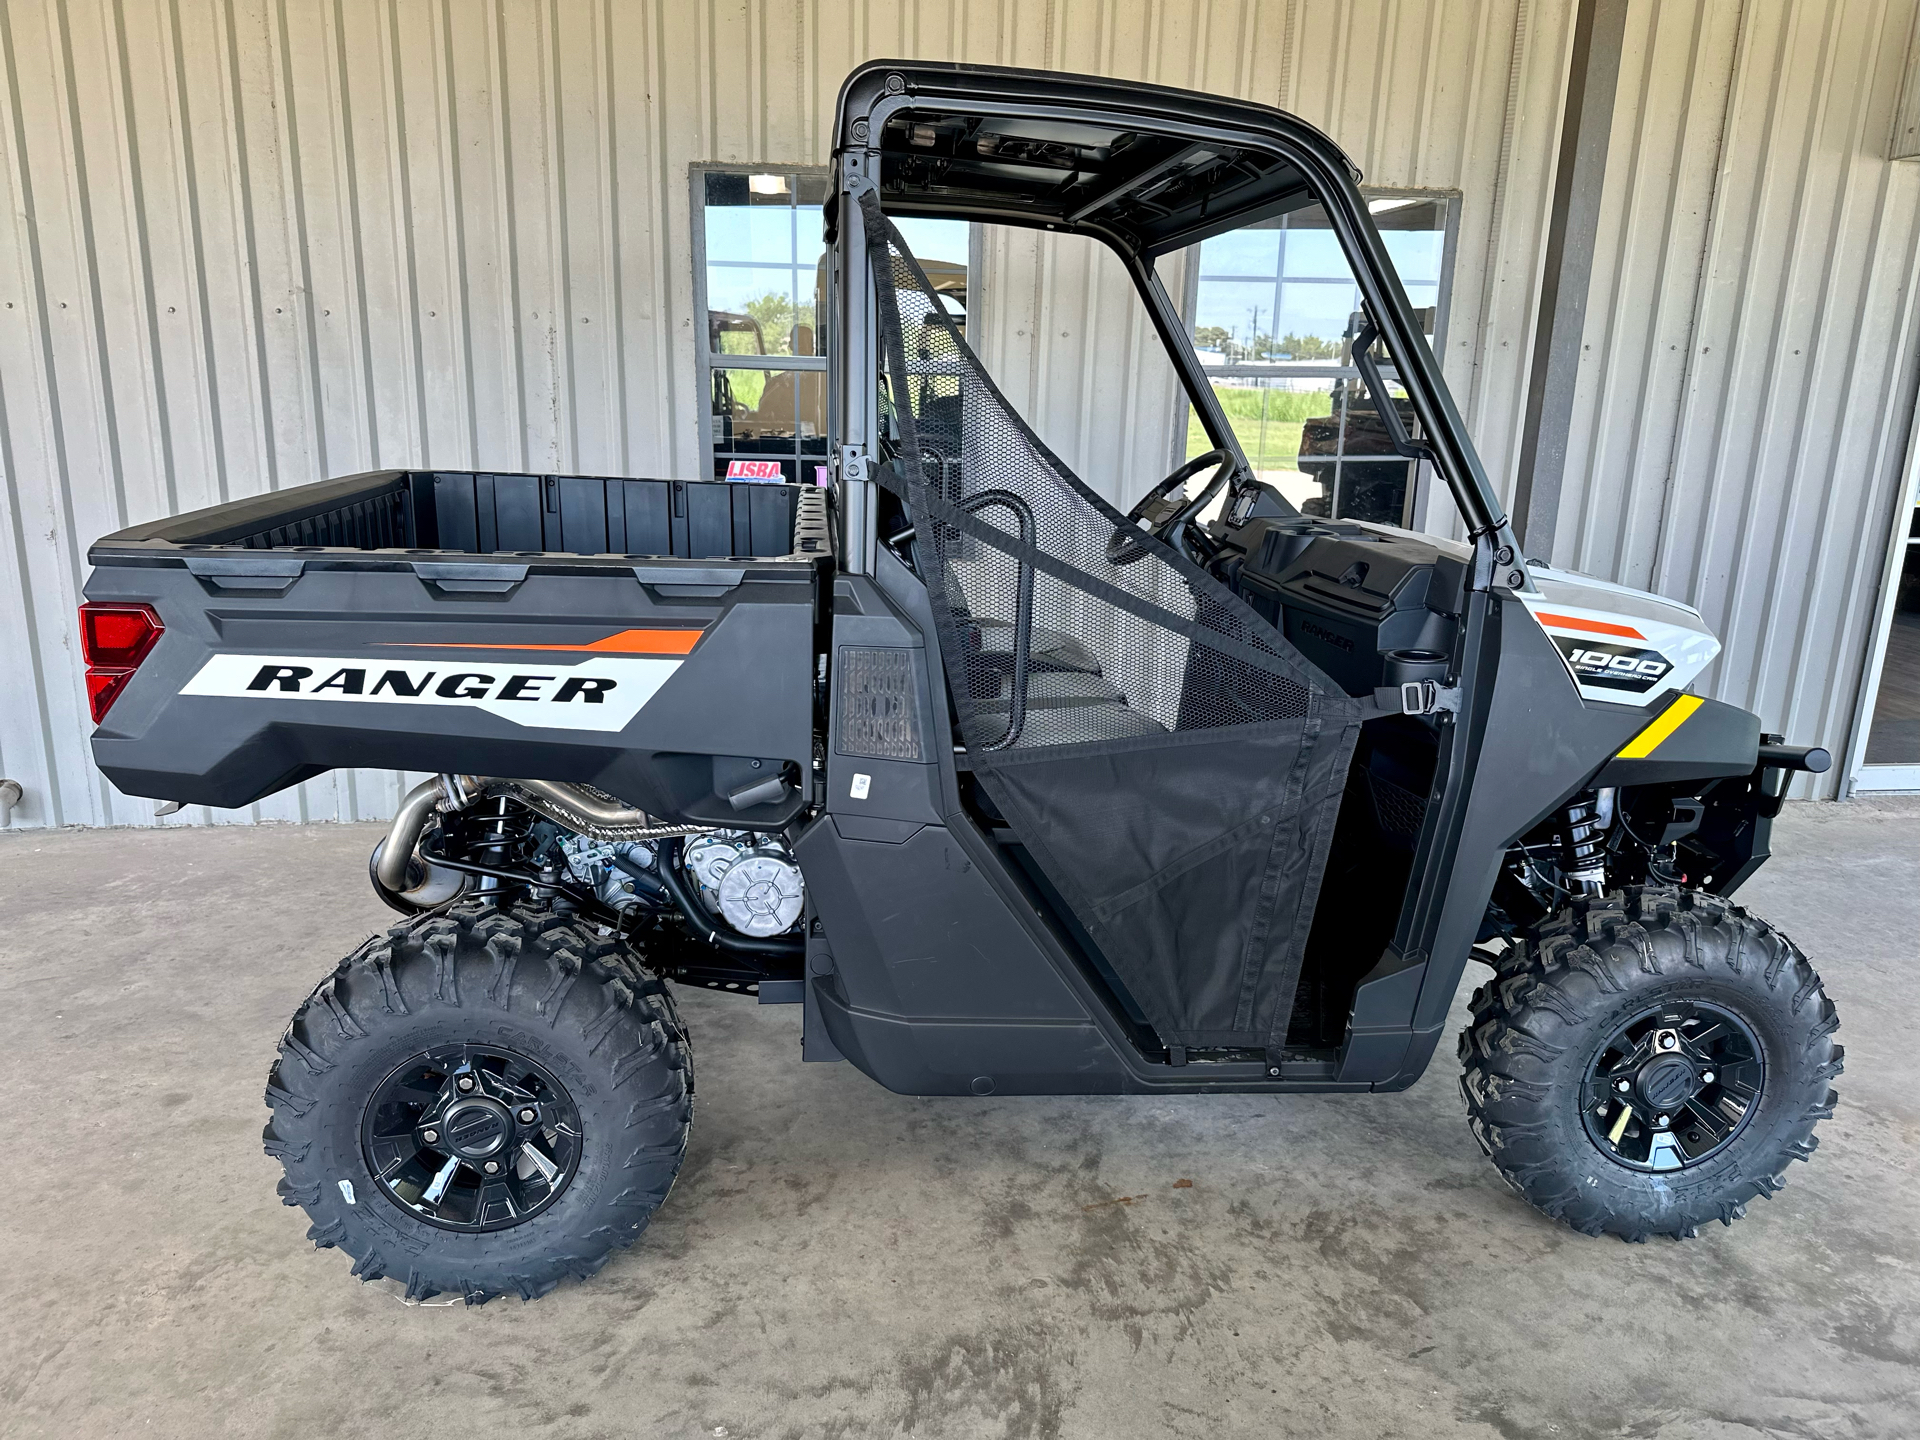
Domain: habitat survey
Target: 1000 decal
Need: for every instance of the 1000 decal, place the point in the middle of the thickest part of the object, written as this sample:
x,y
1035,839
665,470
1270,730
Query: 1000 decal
x,y
1613,667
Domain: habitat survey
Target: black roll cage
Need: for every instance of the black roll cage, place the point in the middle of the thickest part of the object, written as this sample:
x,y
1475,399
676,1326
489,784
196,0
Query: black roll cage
x,y
1139,211
1398,1007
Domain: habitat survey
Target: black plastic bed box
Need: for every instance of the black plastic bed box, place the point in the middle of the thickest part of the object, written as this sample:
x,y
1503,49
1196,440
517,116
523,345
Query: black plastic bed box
x,y
490,512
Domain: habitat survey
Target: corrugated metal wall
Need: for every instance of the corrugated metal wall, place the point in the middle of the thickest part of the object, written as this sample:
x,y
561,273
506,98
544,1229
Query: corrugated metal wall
x,y
1064,334
251,243
1745,403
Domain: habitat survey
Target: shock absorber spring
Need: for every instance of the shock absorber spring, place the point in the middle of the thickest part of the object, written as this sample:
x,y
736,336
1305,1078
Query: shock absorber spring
x,y
497,836
1584,842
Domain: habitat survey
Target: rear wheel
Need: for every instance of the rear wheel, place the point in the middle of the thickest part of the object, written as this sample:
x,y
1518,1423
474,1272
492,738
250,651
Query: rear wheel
x,y
482,1102
1645,1063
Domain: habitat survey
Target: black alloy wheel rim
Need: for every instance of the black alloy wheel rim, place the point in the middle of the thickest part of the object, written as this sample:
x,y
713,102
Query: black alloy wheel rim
x,y
1673,1086
471,1137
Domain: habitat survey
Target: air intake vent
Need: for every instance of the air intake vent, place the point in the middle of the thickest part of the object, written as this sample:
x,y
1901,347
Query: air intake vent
x,y
879,705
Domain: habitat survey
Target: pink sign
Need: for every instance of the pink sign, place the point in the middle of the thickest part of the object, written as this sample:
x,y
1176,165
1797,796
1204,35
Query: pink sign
x,y
755,470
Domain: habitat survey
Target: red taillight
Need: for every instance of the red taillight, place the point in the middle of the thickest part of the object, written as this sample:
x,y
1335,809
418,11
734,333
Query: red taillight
x,y
115,639
103,688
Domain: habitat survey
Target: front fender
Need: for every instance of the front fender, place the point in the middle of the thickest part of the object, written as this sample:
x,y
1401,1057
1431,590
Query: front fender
x,y
1528,743
1690,739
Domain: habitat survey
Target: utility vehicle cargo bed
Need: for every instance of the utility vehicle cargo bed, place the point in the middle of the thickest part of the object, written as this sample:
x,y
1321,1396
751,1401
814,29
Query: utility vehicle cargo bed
x,y
488,513
653,637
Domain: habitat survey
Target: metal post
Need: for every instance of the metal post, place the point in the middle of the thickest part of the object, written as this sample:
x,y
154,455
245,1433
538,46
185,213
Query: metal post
x,y
1599,32
856,428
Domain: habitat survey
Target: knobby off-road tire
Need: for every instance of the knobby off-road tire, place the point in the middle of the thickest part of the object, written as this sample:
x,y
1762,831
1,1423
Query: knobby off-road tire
x,y
1563,991
538,986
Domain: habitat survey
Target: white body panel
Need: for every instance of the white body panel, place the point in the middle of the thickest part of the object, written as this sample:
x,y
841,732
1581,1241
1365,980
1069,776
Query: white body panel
x,y
1621,646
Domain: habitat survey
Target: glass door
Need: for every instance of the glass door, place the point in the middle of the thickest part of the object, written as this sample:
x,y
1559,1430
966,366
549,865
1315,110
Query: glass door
x,y
1892,759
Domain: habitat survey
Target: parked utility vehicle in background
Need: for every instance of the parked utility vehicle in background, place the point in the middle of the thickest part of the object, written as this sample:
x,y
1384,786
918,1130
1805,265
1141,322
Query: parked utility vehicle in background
x,y
1013,793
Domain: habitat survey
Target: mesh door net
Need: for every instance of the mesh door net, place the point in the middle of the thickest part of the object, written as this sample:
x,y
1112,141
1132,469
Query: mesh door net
x,y
1172,765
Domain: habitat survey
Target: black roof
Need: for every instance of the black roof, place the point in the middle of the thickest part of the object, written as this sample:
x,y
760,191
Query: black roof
x,y
1152,167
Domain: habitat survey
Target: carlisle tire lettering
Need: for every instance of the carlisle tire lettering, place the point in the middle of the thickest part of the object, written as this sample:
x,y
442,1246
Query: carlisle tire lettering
x,y
601,692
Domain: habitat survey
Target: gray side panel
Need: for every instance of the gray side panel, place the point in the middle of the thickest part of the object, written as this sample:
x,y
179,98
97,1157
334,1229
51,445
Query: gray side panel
x,y
917,931
866,785
936,984
962,1058
1539,746
744,691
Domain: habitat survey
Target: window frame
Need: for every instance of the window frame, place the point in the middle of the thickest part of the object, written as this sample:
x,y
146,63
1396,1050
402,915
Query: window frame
x,y
705,361
1866,776
1420,488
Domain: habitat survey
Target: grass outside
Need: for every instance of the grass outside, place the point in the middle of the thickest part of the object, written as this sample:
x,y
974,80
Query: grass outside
x,y
1267,423
748,387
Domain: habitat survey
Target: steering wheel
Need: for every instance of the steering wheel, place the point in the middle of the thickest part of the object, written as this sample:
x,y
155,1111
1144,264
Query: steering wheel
x,y
1164,512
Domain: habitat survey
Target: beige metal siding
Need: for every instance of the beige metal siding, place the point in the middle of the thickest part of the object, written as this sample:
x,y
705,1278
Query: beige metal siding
x,y
1745,404
251,243
1066,337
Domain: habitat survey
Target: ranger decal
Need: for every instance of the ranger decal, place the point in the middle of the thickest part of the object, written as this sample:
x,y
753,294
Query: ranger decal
x,y
599,693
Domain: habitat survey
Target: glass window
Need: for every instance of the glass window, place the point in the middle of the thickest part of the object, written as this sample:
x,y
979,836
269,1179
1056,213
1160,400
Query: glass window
x,y
761,282
762,287
1274,310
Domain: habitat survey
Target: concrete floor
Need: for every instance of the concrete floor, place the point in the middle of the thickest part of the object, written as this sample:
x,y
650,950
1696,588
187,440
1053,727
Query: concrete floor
x,y
838,1261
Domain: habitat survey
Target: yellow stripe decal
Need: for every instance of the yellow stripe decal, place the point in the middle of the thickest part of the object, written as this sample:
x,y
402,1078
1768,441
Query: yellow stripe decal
x,y
1671,719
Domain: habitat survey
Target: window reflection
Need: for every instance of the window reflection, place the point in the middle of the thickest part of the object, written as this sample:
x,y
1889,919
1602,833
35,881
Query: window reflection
x,y
763,289
1273,315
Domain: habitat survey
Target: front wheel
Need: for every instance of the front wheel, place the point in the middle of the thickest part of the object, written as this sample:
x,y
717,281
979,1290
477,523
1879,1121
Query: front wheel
x,y
482,1102
1646,1063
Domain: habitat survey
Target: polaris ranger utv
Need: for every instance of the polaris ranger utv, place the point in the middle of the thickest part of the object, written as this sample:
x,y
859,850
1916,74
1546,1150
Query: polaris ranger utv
x,y
1014,794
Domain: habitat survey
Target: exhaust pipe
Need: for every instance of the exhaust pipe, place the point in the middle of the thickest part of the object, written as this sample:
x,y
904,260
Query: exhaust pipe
x,y
579,809
395,854
588,812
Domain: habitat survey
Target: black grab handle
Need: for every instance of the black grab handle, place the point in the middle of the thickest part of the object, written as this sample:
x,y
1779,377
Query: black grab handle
x,y
1810,758
1022,611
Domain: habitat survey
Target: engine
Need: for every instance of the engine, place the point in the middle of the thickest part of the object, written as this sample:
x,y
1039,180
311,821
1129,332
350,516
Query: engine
x,y
591,862
747,881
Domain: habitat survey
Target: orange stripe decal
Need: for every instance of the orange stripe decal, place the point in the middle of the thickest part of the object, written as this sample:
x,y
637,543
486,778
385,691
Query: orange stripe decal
x,y
1597,627
626,642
